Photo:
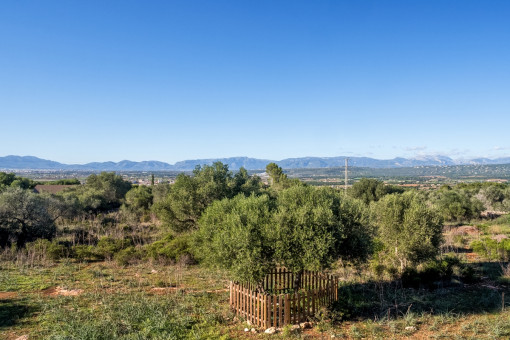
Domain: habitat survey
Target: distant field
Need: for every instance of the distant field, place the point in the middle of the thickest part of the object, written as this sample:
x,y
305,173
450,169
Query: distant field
x,y
424,175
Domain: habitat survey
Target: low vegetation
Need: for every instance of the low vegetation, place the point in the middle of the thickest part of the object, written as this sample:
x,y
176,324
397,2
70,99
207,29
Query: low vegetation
x,y
110,260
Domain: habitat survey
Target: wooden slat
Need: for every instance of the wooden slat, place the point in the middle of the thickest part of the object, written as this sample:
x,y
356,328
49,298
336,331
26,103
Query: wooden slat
x,y
280,280
282,307
280,310
257,306
236,298
250,306
308,305
314,292
274,311
287,310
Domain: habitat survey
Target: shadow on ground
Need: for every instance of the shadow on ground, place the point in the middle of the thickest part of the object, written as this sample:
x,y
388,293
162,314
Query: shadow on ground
x,y
380,300
12,311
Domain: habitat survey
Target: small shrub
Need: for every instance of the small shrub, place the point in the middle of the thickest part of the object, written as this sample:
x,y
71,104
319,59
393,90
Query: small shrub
x,y
107,247
177,249
127,256
84,253
43,249
491,249
433,272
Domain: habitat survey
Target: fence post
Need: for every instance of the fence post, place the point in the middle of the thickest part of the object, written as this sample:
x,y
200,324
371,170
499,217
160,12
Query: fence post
x,y
287,310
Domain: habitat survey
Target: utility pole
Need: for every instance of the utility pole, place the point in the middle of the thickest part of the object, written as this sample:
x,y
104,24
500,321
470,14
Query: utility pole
x,y
345,181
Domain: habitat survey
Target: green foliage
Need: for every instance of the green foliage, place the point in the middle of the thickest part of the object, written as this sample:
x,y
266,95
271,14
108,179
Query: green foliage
x,y
432,273
189,196
409,231
278,179
84,252
235,234
138,201
456,204
368,190
52,250
302,228
306,228
102,192
313,227
67,181
13,181
24,217
128,255
170,248
491,249
107,247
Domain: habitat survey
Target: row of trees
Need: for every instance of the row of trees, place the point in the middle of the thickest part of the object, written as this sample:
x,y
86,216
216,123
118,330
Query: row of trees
x,y
236,222
457,203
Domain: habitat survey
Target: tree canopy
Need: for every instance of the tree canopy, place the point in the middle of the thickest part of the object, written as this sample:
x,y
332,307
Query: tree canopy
x,y
302,228
408,229
189,196
24,217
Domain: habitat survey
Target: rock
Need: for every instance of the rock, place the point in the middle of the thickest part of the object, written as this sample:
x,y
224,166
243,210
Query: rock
x,y
305,325
253,330
154,271
410,328
23,337
270,330
246,330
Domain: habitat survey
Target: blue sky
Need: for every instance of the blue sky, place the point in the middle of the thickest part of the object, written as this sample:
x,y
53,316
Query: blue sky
x,y
85,81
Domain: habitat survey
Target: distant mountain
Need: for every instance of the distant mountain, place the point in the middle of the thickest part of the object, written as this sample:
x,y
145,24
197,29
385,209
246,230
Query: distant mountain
x,y
234,163
28,162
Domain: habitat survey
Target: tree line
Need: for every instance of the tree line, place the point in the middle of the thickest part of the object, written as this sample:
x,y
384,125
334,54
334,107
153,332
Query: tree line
x,y
238,223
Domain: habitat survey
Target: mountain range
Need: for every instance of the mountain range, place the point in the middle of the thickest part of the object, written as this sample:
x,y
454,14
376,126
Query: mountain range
x,y
234,163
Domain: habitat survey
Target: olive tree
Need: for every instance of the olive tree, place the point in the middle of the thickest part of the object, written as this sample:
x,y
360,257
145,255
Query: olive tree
x,y
24,217
235,235
302,228
189,196
409,230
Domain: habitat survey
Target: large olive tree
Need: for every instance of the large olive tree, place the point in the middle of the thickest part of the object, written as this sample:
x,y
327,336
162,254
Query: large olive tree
x,y
24,217
409,230
302,228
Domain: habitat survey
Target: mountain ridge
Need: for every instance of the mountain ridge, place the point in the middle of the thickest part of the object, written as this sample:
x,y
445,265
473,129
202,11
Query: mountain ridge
x,y
13,162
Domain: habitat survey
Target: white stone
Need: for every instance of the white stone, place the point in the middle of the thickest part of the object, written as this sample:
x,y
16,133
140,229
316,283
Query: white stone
x,y
305,325
246,330
270,330
410,328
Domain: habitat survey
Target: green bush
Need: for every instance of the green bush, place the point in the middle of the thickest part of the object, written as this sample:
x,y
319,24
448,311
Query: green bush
x,y
84,253
440,271
491,249
107,247
44,249
128,255
171,248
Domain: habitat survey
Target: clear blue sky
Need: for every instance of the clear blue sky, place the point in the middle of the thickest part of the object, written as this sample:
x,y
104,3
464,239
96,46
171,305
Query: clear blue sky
x,y
85,81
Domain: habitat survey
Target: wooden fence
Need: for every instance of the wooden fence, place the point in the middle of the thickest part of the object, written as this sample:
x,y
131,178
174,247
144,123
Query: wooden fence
x,y
277,302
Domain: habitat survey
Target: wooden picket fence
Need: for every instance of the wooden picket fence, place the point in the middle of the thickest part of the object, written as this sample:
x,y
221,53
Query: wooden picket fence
x,y
274,303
